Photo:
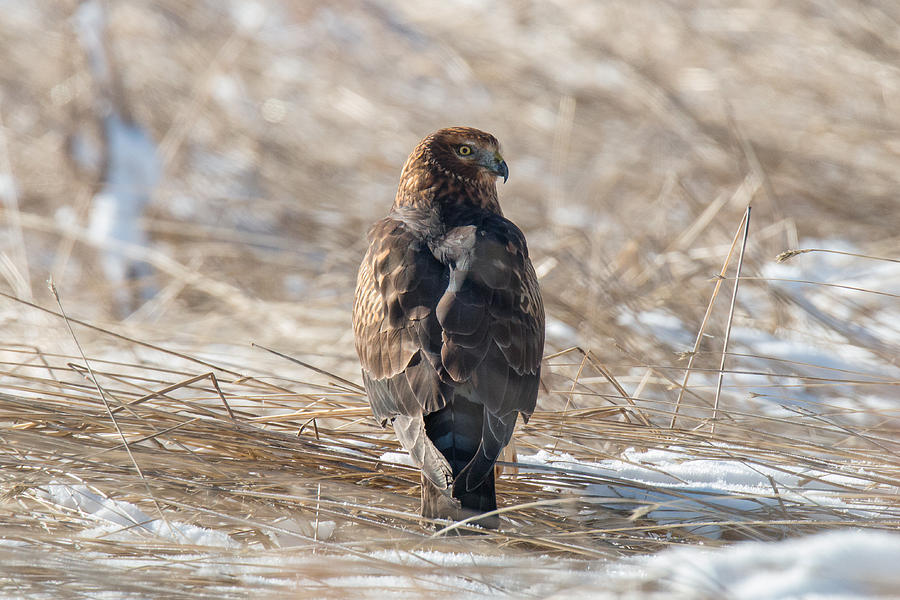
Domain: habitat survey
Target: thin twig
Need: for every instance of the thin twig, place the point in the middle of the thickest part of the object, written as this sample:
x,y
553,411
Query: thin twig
x,y
699,339
109,412
612,380
788,254
353,386
734,293
822,283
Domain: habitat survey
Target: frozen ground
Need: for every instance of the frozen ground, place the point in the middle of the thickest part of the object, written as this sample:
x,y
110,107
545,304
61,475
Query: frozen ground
x,y
852,563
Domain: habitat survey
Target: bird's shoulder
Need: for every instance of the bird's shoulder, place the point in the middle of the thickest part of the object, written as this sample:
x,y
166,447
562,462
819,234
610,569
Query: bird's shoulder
x,y
400,279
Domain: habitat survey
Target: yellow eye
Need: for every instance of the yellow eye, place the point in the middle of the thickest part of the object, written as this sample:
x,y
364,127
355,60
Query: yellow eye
x,y
464,150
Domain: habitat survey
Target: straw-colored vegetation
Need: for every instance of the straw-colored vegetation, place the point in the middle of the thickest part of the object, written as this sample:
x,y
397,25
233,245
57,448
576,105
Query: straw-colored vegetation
x,y
636,134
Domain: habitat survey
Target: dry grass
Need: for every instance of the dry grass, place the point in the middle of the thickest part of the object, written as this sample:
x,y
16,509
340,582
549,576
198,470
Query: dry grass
x,y
267,456
636,134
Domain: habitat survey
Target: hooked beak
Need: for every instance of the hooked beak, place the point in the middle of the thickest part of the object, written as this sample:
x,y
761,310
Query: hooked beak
x,y
503,170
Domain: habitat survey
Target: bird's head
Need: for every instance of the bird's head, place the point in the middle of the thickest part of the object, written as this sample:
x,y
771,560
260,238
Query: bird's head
x,y
466,154
456,166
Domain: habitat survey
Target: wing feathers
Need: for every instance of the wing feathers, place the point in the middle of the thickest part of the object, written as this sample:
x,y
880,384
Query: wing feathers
x,y
496,300
452,299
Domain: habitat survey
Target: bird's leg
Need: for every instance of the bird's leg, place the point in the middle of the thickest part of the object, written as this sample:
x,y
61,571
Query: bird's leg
x,y
438,503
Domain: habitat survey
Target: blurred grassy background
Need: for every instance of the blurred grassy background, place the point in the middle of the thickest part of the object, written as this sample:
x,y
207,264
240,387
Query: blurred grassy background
x,y
282,127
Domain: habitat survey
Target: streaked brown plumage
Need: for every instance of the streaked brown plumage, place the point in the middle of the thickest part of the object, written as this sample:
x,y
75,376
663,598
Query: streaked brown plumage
x,y
449,321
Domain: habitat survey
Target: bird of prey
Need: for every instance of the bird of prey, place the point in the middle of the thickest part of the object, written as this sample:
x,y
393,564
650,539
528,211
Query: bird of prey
x,y
449,321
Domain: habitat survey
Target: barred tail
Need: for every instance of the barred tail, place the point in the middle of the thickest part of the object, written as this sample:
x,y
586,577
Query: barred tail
x,y
456,431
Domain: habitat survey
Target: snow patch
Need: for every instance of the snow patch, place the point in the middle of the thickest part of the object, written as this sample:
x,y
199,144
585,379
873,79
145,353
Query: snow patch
x,y
122,519
690,489
852,563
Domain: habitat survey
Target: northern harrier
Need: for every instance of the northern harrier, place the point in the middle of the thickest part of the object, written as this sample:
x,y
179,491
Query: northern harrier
x,y
449,321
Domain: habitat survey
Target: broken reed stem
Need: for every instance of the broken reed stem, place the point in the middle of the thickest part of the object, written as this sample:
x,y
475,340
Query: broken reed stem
x,y
709,306
350,386
737,281
612,380
569,398
163,392
109,412
789,254
825,284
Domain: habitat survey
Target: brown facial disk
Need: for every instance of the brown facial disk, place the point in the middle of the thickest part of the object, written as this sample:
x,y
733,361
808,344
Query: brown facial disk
x,y
452,166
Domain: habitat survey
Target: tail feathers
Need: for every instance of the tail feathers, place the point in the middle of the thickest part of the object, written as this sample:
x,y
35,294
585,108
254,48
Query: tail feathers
x,y
456,431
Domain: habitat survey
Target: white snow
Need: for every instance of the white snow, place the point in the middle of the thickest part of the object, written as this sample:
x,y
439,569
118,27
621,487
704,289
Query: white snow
x,y
90,22
840,564
676,486
117,518
663,325
558,331
131,171
837,564
847,328
7,187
